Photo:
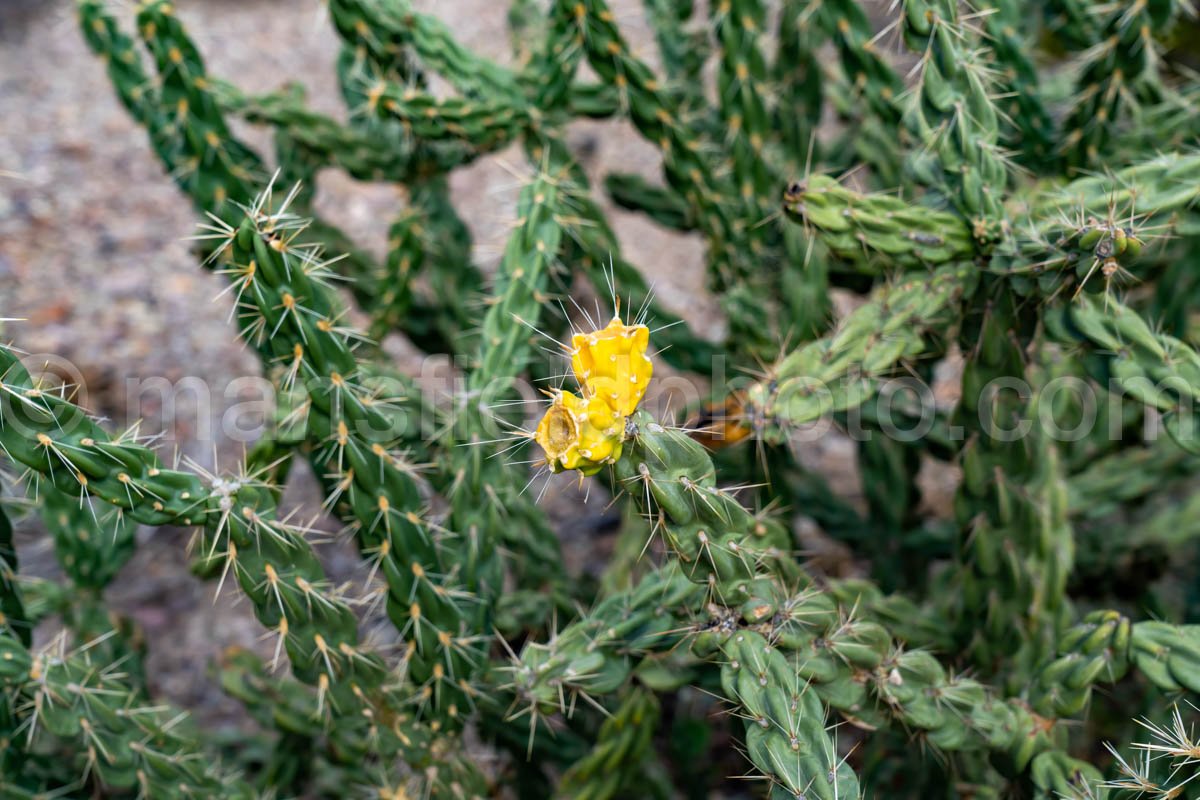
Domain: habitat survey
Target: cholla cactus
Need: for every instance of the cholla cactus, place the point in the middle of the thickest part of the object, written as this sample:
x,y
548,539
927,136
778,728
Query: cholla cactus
x,y
999,195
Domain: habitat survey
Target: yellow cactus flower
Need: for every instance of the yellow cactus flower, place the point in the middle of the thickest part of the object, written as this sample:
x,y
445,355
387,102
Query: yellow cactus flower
x,y
612,364
586,431
579,433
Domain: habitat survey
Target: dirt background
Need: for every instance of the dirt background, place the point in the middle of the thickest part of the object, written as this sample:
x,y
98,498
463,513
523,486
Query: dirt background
x,y
93,258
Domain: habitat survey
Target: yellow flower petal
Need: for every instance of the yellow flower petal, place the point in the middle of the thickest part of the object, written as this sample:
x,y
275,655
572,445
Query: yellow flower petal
x,y
612,364
579,433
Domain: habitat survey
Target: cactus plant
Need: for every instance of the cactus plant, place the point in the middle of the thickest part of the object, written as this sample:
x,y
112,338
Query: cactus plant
x,y
998,195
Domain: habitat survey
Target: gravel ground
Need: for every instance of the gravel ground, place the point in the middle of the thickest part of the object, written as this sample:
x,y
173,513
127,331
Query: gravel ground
x,y
93,257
